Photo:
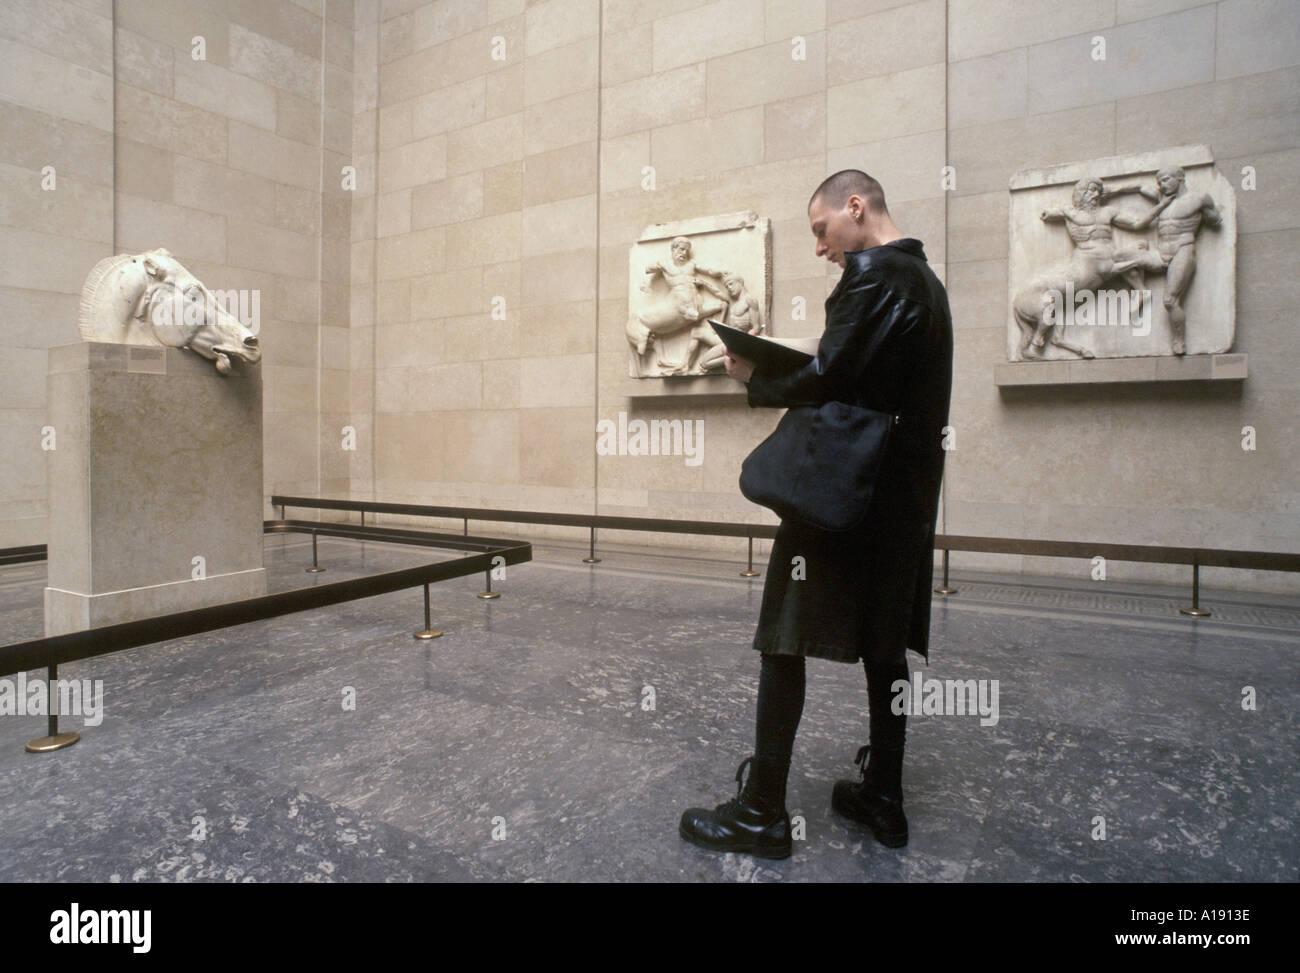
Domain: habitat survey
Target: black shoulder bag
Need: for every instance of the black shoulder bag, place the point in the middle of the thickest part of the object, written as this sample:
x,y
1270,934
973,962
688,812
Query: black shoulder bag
x,y
819,466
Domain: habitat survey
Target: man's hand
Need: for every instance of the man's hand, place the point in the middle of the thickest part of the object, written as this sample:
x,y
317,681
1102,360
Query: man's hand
x,y
740,369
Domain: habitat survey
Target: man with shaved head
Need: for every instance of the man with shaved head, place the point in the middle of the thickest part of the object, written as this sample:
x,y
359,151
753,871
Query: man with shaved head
x,y
862,594
835,191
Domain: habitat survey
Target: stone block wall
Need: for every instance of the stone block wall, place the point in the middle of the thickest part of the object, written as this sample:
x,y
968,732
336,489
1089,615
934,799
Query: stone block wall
x,y
435,200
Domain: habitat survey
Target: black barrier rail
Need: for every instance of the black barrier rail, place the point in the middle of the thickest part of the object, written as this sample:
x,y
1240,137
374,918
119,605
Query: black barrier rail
x,y
21,555
590,521
55,650
1197,557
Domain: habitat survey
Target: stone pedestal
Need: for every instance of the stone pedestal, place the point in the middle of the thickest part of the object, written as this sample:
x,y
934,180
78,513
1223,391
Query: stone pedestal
x,y
155,484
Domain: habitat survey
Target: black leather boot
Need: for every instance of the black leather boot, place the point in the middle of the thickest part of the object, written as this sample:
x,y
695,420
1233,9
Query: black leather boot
x,y
754,822
877,801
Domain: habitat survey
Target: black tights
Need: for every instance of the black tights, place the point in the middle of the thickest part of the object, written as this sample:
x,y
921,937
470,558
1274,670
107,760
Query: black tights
x,y
781,685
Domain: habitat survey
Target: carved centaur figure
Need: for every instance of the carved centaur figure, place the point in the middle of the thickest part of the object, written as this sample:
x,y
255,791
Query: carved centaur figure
x,y
151,299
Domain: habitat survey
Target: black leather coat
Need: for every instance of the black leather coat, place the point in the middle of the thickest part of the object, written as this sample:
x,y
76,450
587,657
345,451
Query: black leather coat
x,y
887,345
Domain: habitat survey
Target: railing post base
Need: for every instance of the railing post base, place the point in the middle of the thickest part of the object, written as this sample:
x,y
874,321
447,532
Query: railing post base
x,y
315,566
591,558
1196,611
428,632
53,740
945,590
749,571
50,744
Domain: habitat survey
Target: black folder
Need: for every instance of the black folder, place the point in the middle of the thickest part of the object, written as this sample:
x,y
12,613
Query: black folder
x,y
766,353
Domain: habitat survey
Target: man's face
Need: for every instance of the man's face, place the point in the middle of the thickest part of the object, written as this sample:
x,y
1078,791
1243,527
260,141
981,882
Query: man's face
x,y
835,229
680,252
733,286
1169,183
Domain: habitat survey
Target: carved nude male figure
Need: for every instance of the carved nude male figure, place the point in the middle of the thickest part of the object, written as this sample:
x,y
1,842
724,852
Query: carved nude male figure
x,y
1177,215
742,312
683,281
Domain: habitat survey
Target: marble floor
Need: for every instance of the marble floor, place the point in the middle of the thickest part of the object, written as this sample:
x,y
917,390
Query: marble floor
x,y
520,746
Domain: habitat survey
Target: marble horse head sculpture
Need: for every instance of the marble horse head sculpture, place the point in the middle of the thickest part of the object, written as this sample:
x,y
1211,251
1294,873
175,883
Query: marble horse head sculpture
x,y
151,299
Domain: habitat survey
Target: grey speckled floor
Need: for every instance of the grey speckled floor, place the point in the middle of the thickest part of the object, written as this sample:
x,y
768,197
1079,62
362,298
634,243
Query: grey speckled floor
x,y
516,747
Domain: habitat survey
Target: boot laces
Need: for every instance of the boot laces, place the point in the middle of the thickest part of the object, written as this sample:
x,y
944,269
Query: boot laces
x,y
870,784
733,805
861,760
